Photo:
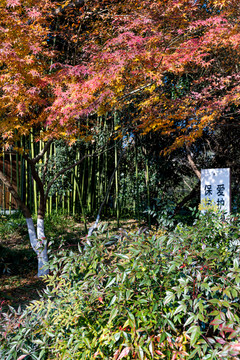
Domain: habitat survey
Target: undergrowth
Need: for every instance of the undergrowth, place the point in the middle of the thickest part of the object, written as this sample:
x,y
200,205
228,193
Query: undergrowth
x,y
134,296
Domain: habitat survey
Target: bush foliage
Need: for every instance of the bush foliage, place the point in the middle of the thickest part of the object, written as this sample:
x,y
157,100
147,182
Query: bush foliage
x,y
136,296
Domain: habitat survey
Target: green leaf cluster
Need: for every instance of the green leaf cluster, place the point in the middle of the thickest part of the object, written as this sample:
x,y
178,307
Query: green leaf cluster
x,y
175,296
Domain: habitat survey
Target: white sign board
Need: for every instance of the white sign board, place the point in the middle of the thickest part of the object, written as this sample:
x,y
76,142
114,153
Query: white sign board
x,y
215,188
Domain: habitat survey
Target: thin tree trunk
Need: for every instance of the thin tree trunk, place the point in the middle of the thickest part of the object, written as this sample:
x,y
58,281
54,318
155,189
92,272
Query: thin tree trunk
x,y
40,247
192,163
39,244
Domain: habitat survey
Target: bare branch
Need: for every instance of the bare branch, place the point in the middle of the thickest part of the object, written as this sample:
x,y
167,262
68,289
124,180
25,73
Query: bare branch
x,y
45,167
41,154
12,189
137,90
192,163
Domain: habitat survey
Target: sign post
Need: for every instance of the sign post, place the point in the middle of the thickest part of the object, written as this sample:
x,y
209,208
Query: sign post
x,y
215,189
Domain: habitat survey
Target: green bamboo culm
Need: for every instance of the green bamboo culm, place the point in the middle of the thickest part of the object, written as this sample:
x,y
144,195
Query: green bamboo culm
x,y
75,171
97,182
68,202
11,179
57,202
137,180
45,159
4,187
63,203
41,145
17,170
116,176
31,195
89,184
100,172
148,192
26,182
89,178
22,171
83,196
105,156
50,197
81,205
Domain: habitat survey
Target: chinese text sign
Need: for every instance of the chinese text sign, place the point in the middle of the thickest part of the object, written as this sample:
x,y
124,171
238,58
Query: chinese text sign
x,y
215,188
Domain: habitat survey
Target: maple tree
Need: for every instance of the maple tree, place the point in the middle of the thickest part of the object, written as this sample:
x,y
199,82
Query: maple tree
x,y
173,65
26,97
177,62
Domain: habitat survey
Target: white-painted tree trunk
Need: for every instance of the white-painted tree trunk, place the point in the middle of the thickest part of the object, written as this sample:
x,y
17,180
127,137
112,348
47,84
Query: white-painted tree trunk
x,y
43,257
39,244
92,228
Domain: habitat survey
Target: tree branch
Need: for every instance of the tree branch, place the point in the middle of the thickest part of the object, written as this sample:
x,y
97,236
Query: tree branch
x,y
12,189
192,163
41,154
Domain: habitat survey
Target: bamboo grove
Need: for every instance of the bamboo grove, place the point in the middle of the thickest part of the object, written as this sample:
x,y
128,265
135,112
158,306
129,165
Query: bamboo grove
x,y
82,189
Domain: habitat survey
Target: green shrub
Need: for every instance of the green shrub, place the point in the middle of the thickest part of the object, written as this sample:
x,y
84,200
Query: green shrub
x,y
138,297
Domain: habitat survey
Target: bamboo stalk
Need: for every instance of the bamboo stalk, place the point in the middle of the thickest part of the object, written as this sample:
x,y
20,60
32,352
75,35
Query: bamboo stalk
x,y
83,199
31,195
89,185
116,177
26,182
57,201
22,172
11,178
137,182
50,197
75,173
148,192
4,187
98,182
17,171
41,146
63,203
47,207
105,156
81,205
68,202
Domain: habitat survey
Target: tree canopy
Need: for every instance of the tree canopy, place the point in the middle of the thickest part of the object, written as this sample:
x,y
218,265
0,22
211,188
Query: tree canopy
x,y
174,65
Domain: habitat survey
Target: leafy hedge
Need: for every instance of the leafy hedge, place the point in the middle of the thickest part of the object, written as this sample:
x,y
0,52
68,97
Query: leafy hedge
x,y
173,296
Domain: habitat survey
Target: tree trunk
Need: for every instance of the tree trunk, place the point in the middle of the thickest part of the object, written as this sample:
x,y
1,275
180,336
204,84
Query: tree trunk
x,y
39,244
42,251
